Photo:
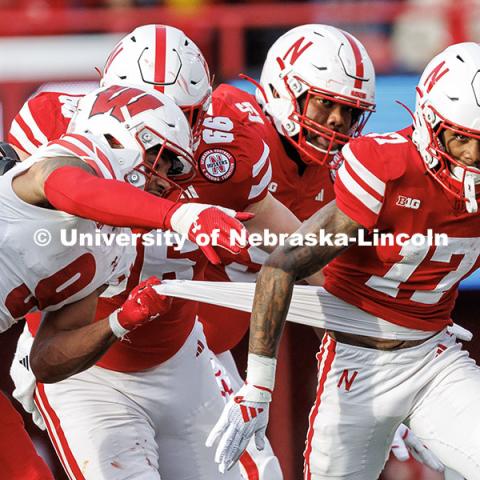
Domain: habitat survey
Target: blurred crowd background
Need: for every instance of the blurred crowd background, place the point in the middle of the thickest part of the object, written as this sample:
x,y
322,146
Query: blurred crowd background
x,y
56,45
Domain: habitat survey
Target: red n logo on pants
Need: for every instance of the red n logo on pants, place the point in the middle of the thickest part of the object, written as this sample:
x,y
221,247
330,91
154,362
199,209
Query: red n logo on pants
x,y
348,381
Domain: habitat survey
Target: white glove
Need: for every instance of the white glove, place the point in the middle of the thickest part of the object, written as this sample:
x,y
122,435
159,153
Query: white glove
x,y
245,415
23,378
460,332
405,442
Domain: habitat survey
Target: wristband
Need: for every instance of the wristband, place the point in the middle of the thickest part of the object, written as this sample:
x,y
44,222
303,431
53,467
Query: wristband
x,y
115,325
261,372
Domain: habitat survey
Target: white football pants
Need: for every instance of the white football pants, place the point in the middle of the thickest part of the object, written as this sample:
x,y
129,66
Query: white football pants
x,y
148,425
364,394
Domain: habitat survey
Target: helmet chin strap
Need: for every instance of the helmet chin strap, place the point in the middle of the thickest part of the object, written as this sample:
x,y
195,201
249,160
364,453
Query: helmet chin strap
x,y
469,181
469,189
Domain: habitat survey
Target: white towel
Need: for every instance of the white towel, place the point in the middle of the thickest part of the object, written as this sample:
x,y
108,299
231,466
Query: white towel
x,y
310,305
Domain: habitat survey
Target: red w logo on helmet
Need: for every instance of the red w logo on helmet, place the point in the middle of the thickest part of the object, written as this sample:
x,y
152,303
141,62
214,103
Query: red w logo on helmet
x,y
114,101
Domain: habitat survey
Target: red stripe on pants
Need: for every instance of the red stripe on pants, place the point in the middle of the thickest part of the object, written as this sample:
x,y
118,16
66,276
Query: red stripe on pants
x,y
328,345
248,463
54,427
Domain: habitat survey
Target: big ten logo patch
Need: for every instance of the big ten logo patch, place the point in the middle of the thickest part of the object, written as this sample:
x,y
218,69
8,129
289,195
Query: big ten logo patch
x,y
408,202
217,165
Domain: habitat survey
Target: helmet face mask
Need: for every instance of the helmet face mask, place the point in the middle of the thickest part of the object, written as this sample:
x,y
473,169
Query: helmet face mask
x,y
447,102
453,175
316,62
317,142
163,59
142,131
156,151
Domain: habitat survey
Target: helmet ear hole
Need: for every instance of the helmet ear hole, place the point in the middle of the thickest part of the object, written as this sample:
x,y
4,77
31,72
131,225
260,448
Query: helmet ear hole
x,y
112,141
275,94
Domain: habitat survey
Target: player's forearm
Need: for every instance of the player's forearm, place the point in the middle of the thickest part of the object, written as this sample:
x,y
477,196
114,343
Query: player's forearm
x,y
286,265
272,299
59,355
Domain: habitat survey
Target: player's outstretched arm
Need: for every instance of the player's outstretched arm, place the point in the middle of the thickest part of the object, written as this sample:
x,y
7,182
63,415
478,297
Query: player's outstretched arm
x,y
70,185
246,414
70,341
284,267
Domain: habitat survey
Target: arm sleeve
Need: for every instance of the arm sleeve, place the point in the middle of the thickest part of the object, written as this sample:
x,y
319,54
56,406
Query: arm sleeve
x,y
109,202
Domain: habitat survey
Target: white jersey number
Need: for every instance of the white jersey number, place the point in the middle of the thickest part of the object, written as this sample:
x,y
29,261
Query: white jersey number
x,y
217,130
390,138
253,115
467,248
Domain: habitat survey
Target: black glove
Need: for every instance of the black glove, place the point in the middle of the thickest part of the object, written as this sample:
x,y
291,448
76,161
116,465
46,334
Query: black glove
x,y
8,157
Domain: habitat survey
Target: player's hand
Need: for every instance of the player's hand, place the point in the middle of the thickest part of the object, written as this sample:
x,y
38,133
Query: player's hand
x,y
196,221
142,305
405,442
245,415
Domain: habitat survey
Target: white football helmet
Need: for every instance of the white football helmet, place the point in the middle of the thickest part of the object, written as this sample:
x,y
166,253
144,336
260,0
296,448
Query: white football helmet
x,y
163,59
129,122
316,61
448,97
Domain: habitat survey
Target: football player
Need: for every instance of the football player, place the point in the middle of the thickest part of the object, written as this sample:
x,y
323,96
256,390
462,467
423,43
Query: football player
x,y
316,91
422,177
39,199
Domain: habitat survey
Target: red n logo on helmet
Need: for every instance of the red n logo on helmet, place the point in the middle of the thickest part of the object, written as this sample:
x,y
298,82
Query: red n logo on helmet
x,y
435,75
114,99
296,50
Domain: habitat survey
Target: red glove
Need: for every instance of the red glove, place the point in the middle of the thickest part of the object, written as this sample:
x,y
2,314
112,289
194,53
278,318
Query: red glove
x,y
199,221
142,305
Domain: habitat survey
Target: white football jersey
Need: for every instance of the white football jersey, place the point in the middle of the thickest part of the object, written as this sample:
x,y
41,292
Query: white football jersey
x,y
43,264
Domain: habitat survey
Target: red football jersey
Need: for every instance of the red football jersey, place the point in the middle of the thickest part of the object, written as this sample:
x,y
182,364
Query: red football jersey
x,y
233,157
239,140
303,189
384,186
42,118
